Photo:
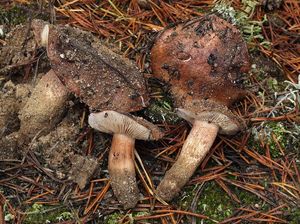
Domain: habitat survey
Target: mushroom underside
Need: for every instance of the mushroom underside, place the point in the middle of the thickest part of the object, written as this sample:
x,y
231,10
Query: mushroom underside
x,y
125,129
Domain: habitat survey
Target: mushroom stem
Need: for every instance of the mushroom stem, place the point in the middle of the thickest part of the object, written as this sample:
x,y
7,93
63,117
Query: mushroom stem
x,y
196,146
122,171
45,107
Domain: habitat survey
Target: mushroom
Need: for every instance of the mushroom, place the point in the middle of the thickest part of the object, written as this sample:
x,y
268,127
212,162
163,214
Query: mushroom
x,y
107,82
203,60
125,129
101,78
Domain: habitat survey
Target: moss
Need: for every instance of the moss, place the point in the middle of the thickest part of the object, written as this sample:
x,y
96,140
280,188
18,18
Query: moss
x,y
279,131
37,214
116,217
161,110
20,13
253,141
137,214
248,199
8,217
285,136
294,215
272,84
113,218
186,198
213,202
13,16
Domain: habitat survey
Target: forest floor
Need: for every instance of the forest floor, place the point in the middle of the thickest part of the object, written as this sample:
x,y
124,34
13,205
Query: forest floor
x,y
252,177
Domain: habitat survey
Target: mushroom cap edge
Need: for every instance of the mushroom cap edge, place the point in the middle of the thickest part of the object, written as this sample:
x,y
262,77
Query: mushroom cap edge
x,y
228,123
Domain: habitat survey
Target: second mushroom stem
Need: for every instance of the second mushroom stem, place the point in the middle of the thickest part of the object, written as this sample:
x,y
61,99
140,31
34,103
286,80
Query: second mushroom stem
x,y
122,170
196,146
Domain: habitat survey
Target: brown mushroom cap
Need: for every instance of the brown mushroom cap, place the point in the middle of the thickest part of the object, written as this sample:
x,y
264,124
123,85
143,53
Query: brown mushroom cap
x,y
202,59
100,77
116,123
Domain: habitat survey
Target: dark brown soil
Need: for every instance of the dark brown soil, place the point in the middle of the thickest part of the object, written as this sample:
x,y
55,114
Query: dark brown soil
x,y
12,99
19,49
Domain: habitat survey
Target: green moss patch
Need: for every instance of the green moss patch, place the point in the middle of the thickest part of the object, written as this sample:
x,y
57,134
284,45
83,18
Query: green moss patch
x,y
38,214
160,111
13,16
213,202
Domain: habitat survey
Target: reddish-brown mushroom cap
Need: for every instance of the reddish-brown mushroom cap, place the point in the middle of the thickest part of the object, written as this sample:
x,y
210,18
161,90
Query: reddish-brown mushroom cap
x,y
202,60
125,129
101,78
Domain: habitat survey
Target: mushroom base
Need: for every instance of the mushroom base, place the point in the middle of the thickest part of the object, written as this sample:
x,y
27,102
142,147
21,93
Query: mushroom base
x,y
122,171
195,148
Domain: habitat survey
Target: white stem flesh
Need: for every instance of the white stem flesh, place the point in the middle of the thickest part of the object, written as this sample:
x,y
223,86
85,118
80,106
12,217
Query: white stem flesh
x,y
45,36
194,150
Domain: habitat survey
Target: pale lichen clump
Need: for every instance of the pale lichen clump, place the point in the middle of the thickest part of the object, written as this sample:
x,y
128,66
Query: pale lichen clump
x,y
251,29
280,135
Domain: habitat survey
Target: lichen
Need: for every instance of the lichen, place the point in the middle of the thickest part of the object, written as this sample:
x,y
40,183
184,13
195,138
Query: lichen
x,y
282,97
277,136
251,29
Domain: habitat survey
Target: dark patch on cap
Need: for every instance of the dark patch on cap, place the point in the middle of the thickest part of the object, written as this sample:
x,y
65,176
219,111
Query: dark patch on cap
x,y
211,59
